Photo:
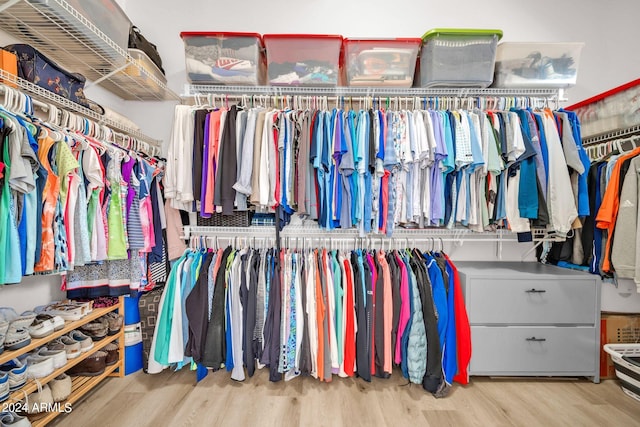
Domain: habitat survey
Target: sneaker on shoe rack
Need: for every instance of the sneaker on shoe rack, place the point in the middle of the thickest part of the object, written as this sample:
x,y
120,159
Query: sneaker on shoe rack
x,y
16,338
39,366
86,343
11,419
4,386
58,322
16,371
71,347
59,356
41,328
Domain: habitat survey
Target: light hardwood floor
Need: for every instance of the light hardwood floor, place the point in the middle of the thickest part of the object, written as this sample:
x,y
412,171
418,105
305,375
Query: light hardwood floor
x,y
173,399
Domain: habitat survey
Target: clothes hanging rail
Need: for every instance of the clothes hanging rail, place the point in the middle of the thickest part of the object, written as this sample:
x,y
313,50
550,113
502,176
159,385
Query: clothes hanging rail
x,y
452,235
43,98
191,90
616,134
398,98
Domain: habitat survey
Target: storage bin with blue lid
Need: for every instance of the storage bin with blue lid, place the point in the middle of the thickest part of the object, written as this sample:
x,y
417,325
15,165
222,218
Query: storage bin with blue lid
x,y
303,59
224,58
458,57
381,62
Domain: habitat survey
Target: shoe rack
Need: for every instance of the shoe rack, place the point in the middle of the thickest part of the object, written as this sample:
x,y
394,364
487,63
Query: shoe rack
x,y
80,385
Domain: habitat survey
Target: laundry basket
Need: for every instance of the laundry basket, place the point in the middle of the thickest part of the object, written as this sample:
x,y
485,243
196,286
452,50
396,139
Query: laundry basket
x,y
626,360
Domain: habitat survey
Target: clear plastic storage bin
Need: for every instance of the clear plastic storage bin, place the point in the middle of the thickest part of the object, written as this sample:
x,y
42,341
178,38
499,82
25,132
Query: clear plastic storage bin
x,y
618,108
381,62
303,59
224,58
533,65
458,57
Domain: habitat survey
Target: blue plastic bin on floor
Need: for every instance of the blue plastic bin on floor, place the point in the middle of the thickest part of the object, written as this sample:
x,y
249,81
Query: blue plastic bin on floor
x,y
132,358
131,310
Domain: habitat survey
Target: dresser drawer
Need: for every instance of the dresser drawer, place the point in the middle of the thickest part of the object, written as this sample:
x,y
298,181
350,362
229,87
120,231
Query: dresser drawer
x,y
517,350
530,301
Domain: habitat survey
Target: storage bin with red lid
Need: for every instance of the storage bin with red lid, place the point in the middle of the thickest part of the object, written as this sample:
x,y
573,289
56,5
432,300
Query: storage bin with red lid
x,y
227,58
381,62
303,59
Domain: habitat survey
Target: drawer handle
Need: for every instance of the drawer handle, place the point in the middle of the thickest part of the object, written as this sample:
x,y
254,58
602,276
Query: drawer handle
x,y
535,291
534,339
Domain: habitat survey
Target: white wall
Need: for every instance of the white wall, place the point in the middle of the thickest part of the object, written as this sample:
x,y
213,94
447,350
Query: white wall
x,y
609,58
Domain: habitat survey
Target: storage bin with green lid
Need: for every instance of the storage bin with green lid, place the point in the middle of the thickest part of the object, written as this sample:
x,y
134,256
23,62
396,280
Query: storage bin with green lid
x,y
458,57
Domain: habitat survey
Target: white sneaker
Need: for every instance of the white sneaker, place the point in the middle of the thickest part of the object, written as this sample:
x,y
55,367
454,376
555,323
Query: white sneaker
x,y
4,386
71,346
17,371
41,328
86,343
39,366
11,419
59,356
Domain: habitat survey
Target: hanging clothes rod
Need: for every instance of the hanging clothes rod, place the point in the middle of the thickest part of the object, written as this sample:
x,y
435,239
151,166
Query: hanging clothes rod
x,y
149,146
191,90
44,98
616,134
395,103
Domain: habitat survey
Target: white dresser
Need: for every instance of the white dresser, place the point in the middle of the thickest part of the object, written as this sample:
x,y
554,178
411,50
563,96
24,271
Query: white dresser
x,y
529,319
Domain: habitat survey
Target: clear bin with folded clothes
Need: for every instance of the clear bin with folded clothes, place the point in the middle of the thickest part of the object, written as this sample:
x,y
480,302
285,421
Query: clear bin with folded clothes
x,y
381,62
303,59
224,58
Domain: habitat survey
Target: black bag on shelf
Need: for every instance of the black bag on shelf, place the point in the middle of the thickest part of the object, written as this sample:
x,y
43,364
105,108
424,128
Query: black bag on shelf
x,y
36,68
138,41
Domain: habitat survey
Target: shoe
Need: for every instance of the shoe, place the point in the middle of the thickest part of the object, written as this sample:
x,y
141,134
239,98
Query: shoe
x,y
2,338
93,365
58,322
114,321
23,321
70,346
39,366
86,343
96,329
68,312
60,387
16,338
113,353
11,419
4,326
40,400
41,328
4,386
17,373
59,356
7,314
